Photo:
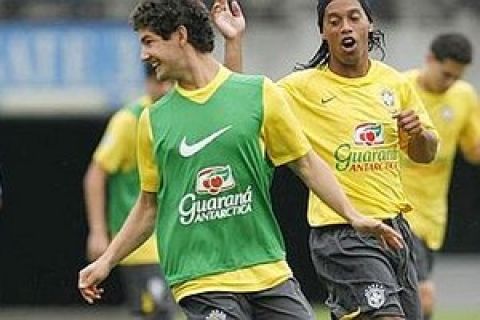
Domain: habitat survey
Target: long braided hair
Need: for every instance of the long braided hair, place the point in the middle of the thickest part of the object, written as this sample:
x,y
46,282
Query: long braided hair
x,y
376,38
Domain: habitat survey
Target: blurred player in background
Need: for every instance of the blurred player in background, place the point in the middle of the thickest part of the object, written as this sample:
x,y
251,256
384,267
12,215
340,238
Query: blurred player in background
x,y
453,107
206,156
358,113
111,187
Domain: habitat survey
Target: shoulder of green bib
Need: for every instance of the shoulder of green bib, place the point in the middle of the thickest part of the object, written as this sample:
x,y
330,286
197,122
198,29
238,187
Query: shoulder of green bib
x,y
163,100
246,79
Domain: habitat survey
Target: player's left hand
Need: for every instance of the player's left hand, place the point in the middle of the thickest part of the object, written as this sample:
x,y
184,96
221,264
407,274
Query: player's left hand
x,y
90,277
387,236
409,122
228,19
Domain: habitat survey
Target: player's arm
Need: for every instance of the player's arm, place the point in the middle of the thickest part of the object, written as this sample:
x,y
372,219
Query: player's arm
x,y
113,150
139,224
286,144
417,133
422,143
137,228
94,185
230,21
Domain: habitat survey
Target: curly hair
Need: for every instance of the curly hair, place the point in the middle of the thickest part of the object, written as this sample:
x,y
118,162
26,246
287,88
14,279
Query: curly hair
x,y
163,17
453,46
376,38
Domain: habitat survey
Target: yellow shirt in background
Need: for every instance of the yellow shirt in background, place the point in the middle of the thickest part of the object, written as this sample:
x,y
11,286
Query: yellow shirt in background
x,y
116,153
455,114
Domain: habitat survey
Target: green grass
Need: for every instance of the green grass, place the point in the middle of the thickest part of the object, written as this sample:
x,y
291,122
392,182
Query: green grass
x,y
322,314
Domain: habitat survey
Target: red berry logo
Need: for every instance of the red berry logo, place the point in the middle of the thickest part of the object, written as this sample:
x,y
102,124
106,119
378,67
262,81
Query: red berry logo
x,y
370,135
216,181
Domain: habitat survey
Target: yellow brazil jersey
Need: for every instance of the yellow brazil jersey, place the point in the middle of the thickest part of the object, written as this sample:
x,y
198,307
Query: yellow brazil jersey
x,y
456,116
282,139
116,155
350,124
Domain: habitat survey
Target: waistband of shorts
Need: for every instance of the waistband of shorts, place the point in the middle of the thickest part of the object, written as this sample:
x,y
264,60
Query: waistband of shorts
x,y
390,221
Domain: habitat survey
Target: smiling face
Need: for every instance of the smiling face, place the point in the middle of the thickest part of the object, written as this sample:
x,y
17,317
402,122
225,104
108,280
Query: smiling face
x,y
346,27
165,55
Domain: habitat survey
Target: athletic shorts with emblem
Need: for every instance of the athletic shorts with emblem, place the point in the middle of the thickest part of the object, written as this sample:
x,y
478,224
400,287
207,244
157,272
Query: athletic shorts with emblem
x,y
363,277
283,302
424,259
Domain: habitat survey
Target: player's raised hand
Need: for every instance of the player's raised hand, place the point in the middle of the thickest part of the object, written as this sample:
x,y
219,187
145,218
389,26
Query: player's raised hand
x,y
90,277
384,233
409,122
228,19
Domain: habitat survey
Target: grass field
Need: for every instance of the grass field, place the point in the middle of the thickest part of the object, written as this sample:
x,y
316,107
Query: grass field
x,y
322,314
120,313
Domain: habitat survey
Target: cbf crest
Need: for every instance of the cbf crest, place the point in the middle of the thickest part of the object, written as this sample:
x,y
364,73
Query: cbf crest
x,y
447,113
375,294
388,99
216,315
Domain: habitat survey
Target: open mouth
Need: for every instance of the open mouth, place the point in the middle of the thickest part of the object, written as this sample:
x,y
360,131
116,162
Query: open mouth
x,y
348,43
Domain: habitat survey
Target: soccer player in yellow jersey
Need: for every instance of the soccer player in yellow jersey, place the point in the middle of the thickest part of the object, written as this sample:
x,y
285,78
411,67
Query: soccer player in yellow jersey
x,y
359,114
111,187
453,107
206,153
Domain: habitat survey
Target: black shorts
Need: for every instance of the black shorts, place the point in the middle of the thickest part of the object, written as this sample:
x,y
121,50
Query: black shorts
x,y
283,302
148,294
361,276
424,259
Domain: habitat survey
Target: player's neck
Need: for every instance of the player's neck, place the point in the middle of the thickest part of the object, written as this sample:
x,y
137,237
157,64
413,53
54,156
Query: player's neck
x,y
201,70
357,70
424,83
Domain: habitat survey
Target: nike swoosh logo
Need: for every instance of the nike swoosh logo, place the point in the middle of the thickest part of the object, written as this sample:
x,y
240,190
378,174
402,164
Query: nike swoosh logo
x,y
327,100
187,151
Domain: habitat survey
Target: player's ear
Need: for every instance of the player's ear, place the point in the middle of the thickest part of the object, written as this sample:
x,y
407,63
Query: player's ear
x,y
182,34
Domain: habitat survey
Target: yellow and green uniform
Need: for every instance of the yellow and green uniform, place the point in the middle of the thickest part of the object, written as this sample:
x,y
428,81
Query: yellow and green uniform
x,y
116,155
456,116
209,155
350,123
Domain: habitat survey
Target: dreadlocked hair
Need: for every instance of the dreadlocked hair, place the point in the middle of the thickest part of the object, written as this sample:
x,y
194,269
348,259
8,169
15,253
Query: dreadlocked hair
x,y
376,38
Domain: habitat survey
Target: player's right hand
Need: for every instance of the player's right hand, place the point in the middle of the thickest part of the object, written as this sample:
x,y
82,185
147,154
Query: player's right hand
x,y
97,243
385,234
90,277
228,19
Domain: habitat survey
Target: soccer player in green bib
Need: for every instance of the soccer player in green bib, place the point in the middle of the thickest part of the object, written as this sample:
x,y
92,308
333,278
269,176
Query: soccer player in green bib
x,y
359,115
206,154
453,106
111,187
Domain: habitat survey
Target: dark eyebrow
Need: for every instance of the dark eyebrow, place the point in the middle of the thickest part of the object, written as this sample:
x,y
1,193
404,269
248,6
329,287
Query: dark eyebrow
x,y
349,12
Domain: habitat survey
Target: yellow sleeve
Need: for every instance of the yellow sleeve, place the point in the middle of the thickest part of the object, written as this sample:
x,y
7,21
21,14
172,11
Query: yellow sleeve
x,y
147,168
470,135
412,101
114,151
282,134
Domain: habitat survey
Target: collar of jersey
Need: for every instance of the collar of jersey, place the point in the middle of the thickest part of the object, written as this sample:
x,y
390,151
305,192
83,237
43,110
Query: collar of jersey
x,y
368,78
203,94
